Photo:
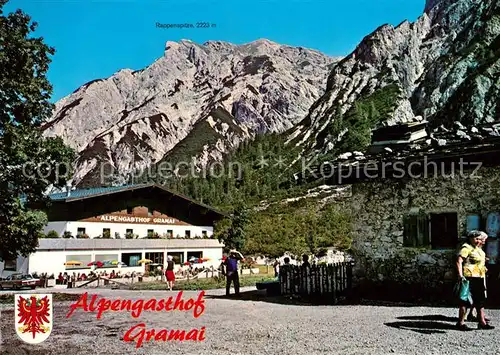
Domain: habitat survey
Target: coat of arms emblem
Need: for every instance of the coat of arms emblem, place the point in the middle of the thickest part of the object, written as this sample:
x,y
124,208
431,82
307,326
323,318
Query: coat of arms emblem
x,y
33,317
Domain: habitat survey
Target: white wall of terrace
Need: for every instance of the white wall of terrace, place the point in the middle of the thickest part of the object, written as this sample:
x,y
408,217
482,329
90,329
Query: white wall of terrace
x,y
94,229
52,254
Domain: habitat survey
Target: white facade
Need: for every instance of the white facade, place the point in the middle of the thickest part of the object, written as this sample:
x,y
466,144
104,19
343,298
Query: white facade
x,y
54,253
94,229
176,237
52,262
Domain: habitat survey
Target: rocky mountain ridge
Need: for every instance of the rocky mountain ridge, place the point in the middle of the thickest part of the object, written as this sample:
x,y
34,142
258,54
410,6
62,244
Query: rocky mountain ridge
x,y
443,68
196,101
202,101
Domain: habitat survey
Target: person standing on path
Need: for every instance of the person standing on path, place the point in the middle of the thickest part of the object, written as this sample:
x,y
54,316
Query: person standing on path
x,y
305,261
169,273
232,275
276,267
471,317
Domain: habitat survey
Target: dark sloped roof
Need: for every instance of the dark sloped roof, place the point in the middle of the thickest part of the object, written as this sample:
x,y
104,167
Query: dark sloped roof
x,y
359,167
80,194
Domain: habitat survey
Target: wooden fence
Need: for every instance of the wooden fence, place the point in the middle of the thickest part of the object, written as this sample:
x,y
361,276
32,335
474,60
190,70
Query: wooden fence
x,y
324,283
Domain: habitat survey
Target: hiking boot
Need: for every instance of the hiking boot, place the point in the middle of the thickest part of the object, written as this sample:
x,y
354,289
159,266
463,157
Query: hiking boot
x,y
485,326
463,327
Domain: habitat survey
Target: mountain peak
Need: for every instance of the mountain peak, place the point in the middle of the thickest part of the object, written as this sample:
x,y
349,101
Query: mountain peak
x,y
217,44
171,45
263,41
176,45
437,68
133,121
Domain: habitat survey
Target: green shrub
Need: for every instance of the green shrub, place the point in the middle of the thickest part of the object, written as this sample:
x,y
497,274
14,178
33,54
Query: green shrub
x,y
52,234
129,235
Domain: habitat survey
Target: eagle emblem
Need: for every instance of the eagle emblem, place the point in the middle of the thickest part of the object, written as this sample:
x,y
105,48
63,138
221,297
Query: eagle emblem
x,y
33,317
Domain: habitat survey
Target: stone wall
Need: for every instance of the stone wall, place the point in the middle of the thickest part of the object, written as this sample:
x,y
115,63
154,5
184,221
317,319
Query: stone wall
x,y
378,208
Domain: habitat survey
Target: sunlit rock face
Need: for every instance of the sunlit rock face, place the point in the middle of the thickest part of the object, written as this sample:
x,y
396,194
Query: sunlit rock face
x,y
213,95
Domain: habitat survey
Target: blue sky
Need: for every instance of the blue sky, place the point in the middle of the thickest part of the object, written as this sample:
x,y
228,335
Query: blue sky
x,y
94,39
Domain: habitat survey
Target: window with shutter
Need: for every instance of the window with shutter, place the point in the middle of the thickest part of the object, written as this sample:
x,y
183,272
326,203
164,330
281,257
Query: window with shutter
x,y
416,230
409,231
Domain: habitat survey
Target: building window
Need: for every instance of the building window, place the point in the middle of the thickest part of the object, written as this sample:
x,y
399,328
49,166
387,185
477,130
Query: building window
x,y
130,210
106,259
78,261
151,232
204,234
193,255
437,230
187,233
444,230
416,230
156,258
10,265
106,233
178,257
80,231
129,231
170,233
131,259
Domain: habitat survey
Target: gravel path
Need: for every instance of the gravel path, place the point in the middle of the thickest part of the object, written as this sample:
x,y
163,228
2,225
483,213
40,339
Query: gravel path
x,y
252,326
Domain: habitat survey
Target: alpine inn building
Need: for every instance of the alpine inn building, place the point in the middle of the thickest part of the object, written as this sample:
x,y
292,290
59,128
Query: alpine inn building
x,y
123,224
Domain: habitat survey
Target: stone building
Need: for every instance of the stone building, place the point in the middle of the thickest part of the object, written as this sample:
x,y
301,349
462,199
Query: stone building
x,y
410,211
410,229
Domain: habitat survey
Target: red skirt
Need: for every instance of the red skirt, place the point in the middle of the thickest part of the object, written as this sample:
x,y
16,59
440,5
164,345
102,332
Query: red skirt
x,y
170,275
